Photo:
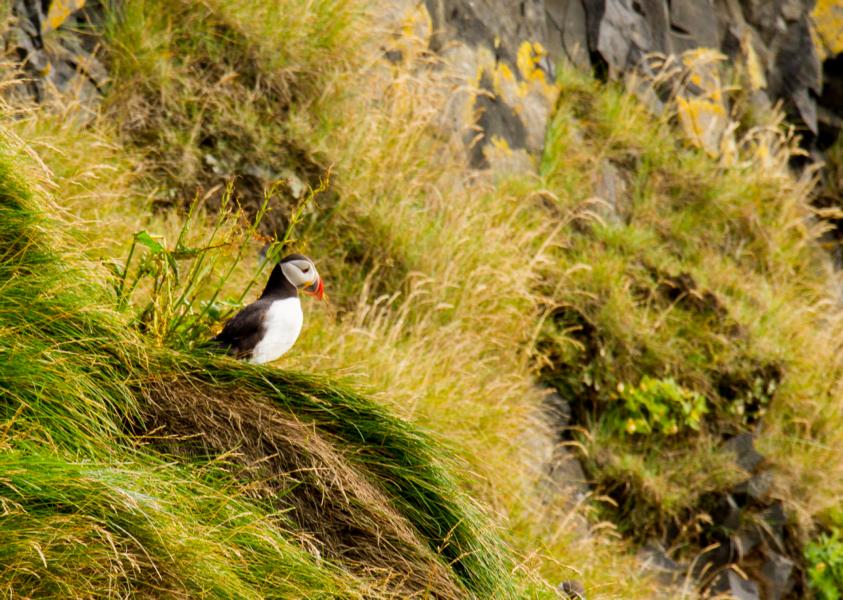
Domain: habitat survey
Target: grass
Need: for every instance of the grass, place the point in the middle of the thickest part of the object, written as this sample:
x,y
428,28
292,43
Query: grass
x,y
100,503
405,271
204,86
55,306
451,295
85,529
712,278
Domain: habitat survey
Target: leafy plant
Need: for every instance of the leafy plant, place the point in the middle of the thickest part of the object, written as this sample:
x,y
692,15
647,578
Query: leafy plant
x,y
825,573
756,399
658,406
183,283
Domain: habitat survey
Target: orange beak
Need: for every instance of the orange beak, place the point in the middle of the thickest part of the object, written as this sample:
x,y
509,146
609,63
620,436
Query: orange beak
x,y
317,289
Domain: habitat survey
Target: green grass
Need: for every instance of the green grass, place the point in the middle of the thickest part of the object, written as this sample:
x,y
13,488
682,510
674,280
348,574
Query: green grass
x,y
52,313
88,529
93,508
711,278
198,87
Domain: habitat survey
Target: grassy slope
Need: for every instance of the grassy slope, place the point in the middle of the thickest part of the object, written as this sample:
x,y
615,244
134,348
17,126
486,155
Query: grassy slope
x,y
92,509
743,234
84,515
434,320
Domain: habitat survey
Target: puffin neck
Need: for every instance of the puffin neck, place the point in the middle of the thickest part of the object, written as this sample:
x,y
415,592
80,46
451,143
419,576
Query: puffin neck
x,y
279,286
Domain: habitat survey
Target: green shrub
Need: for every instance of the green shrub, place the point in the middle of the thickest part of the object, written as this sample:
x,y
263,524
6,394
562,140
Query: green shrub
x,y
658,406
825,573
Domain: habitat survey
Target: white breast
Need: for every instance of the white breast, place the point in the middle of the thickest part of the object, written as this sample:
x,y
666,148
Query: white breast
x,y
282,324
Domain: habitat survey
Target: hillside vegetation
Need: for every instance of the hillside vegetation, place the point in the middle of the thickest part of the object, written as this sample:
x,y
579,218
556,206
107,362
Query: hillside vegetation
x,y
405,447
134,469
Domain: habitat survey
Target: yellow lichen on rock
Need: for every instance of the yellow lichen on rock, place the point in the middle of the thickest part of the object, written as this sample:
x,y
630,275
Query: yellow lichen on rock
x,y
702,112
501,145
529,58
503,76
529,55
827,17
754,68
59,11
702,121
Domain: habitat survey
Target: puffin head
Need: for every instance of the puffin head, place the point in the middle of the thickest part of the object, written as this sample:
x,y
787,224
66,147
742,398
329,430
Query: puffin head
x,y
301,272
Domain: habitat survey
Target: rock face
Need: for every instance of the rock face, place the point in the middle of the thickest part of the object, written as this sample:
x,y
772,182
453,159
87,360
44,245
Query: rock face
x,y
504,51
53,60
774,41
496,48
752,534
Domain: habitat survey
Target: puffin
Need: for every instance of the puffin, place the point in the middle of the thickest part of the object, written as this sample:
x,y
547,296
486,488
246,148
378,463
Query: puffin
x,y
268,327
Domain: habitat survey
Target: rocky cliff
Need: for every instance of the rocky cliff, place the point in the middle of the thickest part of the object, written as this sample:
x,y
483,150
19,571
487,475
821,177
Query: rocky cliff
x,y
790,51
789,48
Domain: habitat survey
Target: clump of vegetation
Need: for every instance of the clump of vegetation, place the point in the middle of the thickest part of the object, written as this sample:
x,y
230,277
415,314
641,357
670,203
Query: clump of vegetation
x,y
825,565
202,94
705,273
658,406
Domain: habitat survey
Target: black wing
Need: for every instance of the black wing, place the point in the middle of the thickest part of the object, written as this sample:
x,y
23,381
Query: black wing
x,y
244,330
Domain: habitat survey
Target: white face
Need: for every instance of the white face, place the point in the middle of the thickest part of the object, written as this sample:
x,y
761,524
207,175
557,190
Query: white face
x,y
301,273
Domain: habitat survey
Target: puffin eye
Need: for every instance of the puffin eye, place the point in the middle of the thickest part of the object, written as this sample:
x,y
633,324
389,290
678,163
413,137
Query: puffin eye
x,y
305,269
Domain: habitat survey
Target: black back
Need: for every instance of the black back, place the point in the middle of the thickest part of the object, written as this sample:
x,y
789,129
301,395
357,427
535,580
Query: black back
x,y
246,329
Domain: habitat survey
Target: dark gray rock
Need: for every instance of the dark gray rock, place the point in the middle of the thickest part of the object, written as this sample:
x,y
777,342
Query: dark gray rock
x,y
557,408
694,21
745,541
653,557
747,457
713,560
758,487
623,37
568,31
612,189
621,32
566,470
729,582
777,576
68,63
796,76
482,22
564,475
756,543
775,520
495,118
615,36
729,515
503,46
